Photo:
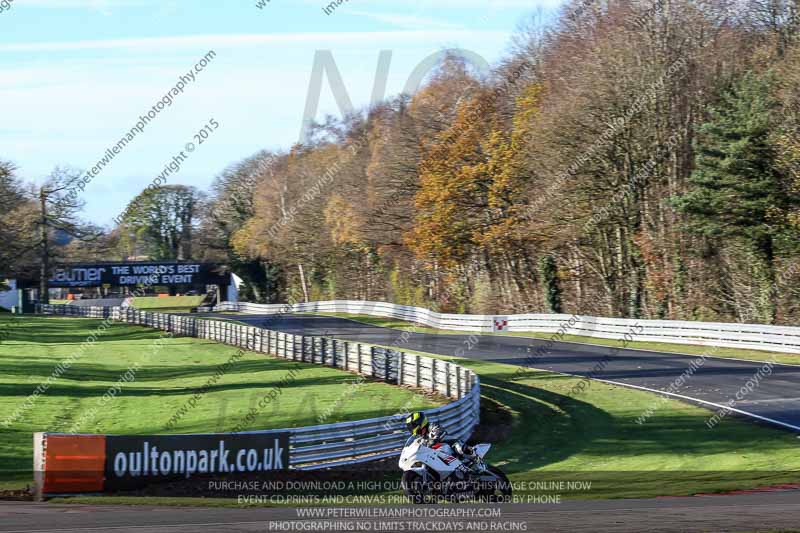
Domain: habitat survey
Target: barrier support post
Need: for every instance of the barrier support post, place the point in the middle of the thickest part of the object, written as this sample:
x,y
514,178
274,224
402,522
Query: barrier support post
x,y
38,465
400,363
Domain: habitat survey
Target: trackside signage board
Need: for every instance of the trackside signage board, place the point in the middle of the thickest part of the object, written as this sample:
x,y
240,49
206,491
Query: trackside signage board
x,y
84,463
129,459
134,274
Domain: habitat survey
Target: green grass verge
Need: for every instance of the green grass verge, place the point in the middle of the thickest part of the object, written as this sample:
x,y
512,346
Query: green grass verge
x,y
165,378
167,304
733,353
542,431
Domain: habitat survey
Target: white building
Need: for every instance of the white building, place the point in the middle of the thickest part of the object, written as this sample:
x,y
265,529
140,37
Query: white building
x,y
8,299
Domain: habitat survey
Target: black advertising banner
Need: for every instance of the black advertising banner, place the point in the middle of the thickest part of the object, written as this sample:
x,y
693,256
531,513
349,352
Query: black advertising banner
x,y
132,461
133,274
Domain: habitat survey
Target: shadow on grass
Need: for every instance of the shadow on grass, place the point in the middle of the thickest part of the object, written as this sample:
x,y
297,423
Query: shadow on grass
x,y
104,373
89,391
548,428
62,331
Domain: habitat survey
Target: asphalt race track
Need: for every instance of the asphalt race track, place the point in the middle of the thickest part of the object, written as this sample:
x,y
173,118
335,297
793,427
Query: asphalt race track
x,y
737,513
776,398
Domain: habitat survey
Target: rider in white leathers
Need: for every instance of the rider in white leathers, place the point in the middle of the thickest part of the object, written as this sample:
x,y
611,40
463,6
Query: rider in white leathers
x,y
419,426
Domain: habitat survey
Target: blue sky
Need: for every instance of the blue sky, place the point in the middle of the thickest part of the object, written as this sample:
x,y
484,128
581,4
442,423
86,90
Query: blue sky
x,y
75,75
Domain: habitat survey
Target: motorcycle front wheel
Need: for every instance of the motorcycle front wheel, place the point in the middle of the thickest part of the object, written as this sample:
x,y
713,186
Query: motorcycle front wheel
x,y
414,487
500,490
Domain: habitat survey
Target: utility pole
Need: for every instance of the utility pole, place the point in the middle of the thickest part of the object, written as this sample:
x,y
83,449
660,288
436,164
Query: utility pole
x,y
44,276
303,282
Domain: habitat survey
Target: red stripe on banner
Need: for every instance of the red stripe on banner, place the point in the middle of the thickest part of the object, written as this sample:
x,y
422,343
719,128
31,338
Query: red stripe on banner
x,y
74,463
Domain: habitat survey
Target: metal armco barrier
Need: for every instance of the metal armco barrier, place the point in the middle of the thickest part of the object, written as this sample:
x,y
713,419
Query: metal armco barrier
x,y
310,448
730,335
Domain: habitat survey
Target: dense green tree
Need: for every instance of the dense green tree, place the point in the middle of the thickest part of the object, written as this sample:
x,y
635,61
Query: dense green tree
x,y
12,202
160,222
550,283
737,190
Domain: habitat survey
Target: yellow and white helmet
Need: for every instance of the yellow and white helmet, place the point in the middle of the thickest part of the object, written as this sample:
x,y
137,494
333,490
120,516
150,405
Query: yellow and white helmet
x,y
417,423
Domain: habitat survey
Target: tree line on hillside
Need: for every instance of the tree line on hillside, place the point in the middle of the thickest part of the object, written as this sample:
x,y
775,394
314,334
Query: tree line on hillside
x,y
631,158
645,164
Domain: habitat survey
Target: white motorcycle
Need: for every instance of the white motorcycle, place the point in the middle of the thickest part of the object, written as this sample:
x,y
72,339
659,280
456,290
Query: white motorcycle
x,y
436,473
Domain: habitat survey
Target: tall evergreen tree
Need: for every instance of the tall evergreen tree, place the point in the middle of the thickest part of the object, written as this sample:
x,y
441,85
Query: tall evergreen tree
x,y
550,283
736,190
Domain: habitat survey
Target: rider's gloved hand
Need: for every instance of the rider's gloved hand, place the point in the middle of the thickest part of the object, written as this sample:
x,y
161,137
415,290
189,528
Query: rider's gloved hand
x,y
463,449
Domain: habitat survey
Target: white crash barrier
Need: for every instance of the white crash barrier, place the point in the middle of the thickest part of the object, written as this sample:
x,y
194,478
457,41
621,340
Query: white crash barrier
x,y
731,335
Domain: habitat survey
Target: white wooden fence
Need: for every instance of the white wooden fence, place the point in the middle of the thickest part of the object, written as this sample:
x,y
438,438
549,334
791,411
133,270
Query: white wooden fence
x,y
733,335
344,443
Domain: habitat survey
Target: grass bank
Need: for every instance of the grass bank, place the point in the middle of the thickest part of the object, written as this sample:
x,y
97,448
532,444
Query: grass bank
x,y
167,304
546,431
555,444
165,378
